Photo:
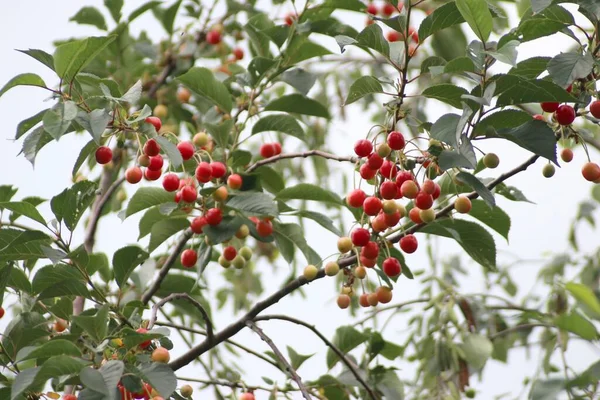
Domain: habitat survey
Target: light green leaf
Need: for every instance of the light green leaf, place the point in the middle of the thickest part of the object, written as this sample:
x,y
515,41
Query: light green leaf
x,y
125,260
307,191
146,197
507,53
28,123
142,9
372,37
22,245
221,132
73,202
299,79
73,56
57,120
296,359
547,390
362,87
27,79
565,68
114,6
90,16
346,339
95,325
298,104
24,208
170,150
94,122
279,123
586,297
478,16
88,149
41,56
442,17
295,234
477,349
576,323
59,280
320,219
202,81
161,377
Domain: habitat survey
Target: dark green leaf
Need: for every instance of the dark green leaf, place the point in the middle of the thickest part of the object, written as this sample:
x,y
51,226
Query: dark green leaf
x,y
253,204
494,217
513,89
508,118
94,122
73,202
22,245
449,159
146,197
535,136
362,87
27,79
296,360
293,233
307,191
442,17
90,16
88,149
298,104
299,79
28,123
162,230
511,193
531,68
59,280
114,6
279,123
221,132
478,186
565,68
49,349
225,230
270,179
372,37
161,377
171,150
320,219
346,338
444,129
142,9
125,260
57,120
202,81
54,367
168,17
41,56
73,56
303,50
24,208
95,325
447,93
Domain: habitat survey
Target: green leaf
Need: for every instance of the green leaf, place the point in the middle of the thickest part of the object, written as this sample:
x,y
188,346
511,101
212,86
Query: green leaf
x,y
41,56
162,230
72,57
225,230
95,325
361,87
90,16
85,152
171,151
442,17
460,64
511,193
202,81
507,53
565,68
204,257
346,338
59,280
547,390
473,238
146,197
585,296
22,245
253,204
114,7
49,349
152,216
221,132
57,120
24,208
168,17
576,323
307,191
92,379
531,68
548,22
478,349
279,123
27,79
298,104
391,386
293,233
478,16
508,118
303,50
28,123
299,79
449,159
478,186
513,89
444,129
73,202
94,122
494,217
270,179
535,136
320,219
34,142
161,377
447,93
142,9
125,260
296,360
372,37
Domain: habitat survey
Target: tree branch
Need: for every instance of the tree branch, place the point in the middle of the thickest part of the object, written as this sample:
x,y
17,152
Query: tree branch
x,y
162,274
351,366
281,357
184,296
519,328
305,154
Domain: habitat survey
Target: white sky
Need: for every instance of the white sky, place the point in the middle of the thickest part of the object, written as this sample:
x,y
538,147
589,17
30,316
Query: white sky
x,y
537,230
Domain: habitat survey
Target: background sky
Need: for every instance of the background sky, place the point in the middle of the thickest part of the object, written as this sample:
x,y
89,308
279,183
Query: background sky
x,y
537,230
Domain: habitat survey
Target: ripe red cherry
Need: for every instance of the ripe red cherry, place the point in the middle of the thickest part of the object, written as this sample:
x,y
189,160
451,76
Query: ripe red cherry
x,y
367,173
549,106
238,53
387,9
388,169
267,150
197,224
595,109
152,175
217,169
229,253
428,187
170,182
374,161
423,200
396,140
156,122
392,220
151,148
360,237
367,262
370,250
566,155
247,396
388,190
590,171
214,216
363,300
277,147
379,223
69,397
409,244
203,172
393,36
290,18
156,163
189,258
437,192
189,194
409,189
372,206
264,227
234,181
565,115
391,267
415,215
363,148
213,37
372,9
539,117
103,155
186,149
356,198
146,343
133,174
2,312
402,177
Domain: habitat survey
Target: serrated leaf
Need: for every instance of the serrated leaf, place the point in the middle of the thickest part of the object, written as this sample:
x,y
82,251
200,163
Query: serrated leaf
x,y
535,136
28,123
22,245
146,197
494,217
52,348
442,17
57,120
294,233
125,260
362,87
59,280
73,56
279,123
27,79
41,56
95,325
478,186
508,118
202,81
346,338
372,37
565,68
94,122
90,16
514,89
70,205
478,16
531,68
88,149
171,151
253,204
447,93
24,208
307,191
162,230
298,104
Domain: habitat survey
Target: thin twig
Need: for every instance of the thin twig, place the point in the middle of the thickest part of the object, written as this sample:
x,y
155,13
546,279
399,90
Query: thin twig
x,y
351,366
162,274
519,328
304,154
284,361
233,385
196,303
390,307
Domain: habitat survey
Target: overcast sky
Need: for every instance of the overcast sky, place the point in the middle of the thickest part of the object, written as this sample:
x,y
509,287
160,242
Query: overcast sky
x,y
537,230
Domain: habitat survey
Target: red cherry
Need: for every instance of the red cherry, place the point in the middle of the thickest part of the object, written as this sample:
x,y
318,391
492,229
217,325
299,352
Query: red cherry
x,y
197,224
415,216
414,35
247,396
388,190
392,267
437,192
566,155
392,219
234,181
539,117
186,149
409,189
290,18
423,200
387,9
277,147
189,194
213,37
156,163
360,237
565,115
370,250
146,343
2,312
189,258
590,171
402,177
267,150
363,148
133,174
371,9
152,175
409,244
151,148
214,216
595,109
367,262
393,36
238,53
229,253
367,173
156,122
396,140
374,161
177,198
428,187
103,155
549,106
379,223
356,198
217,169
203,172
372,206
388,169
264,227
363,300
170,182
69,397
